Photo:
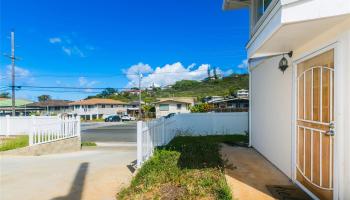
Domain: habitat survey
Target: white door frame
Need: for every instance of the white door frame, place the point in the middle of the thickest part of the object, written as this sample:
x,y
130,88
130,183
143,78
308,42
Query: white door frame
x,y
296,61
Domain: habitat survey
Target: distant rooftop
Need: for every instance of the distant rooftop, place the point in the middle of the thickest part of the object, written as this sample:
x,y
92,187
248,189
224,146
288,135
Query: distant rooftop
x,y
18,102
50,103
96,101
189,100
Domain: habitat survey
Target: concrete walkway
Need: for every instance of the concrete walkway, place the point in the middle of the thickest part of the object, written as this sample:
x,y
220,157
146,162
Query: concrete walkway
x,y
92,174
251,176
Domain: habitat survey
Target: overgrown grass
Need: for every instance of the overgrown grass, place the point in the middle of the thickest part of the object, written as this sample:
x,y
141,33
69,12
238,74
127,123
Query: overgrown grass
x,y
14,142
186,168
88,144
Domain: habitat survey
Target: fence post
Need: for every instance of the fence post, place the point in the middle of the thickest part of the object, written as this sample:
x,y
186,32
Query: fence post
x,y
78,126
7,125
139,143
163,131
32,132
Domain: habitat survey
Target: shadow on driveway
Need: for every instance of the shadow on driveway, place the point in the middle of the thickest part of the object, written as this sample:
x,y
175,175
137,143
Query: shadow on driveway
x,y
76,190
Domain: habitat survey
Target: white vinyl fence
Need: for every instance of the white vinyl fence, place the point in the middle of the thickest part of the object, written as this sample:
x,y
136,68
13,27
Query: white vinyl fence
x,y
161,131
41,129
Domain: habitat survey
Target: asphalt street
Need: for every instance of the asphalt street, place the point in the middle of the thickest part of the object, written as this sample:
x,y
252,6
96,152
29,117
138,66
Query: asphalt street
x,y
119,132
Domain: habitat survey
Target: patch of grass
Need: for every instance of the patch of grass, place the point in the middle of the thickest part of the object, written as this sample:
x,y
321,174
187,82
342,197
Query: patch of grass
x,y
14,142
88,144
186,168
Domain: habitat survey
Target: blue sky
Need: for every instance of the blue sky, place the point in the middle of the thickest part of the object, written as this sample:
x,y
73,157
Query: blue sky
x,y
94,43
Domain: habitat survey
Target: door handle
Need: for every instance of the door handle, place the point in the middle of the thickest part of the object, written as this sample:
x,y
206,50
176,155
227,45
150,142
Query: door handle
x,y
331,131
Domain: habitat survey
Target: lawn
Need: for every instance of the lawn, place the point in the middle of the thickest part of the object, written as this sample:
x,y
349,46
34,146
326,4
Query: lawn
x,y
14,142
186,168
88,144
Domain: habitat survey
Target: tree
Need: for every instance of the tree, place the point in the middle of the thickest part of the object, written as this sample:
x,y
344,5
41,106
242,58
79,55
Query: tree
x,y
44,97
200,108
5,95
208,71
215,74
108,92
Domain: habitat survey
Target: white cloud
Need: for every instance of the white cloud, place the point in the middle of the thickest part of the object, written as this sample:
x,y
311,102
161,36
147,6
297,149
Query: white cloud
x,y
69,47
243,65
165,75
55,40
19,72
84,82
67,50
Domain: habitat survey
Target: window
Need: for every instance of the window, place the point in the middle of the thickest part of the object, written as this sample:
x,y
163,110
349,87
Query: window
x,y
103,106
164,107
112,106
178,106
259,8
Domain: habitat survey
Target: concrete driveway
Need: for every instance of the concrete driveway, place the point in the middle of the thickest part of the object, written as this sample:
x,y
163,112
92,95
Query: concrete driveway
x,y
93,173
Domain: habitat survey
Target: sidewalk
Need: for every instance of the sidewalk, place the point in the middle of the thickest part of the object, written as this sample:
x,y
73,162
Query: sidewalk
x,y
251,176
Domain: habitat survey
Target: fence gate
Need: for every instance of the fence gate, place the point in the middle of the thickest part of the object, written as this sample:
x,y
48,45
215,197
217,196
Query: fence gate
x,y
315,124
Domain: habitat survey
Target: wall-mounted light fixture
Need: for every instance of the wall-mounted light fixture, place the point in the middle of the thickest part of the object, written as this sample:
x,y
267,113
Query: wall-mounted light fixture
x,y
283,64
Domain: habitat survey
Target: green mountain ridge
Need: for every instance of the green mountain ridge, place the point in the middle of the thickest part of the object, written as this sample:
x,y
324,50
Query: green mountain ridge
x,y
186,88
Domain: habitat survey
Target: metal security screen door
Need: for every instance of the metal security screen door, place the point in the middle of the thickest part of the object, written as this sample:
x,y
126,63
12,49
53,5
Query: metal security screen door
x,y
315,124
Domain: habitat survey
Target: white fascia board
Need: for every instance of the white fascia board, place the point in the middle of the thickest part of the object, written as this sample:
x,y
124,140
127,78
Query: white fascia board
x,y
267,29
298,11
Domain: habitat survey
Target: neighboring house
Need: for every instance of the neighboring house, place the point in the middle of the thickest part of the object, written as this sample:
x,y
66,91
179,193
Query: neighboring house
x,y
132,92
96,108
20,107
242,93
52,107
165,106
209,99
230,104
133,108
299,67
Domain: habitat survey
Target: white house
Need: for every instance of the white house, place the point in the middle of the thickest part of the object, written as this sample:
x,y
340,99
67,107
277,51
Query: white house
x,y
165,106
243,93
299,64
96,108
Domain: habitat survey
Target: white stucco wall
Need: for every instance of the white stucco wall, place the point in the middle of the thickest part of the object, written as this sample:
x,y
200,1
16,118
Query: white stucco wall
x,y
271,106
271,112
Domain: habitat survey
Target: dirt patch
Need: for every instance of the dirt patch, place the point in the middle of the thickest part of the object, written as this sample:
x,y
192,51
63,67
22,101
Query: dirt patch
x,y
171,192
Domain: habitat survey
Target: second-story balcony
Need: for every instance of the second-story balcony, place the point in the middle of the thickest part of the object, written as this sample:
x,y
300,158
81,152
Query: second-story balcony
x,y
288,22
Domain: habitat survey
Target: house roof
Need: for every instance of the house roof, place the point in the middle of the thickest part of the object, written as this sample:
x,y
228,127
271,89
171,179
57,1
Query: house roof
x,y
18,103
188,100
96,101
50,103
235,4
230,99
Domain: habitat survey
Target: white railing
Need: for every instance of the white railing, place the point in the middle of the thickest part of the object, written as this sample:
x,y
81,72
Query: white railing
x,y
22,125
52,131
161,131
40,129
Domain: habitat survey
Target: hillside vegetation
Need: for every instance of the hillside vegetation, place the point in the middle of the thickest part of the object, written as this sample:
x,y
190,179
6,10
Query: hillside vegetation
x,y
187,88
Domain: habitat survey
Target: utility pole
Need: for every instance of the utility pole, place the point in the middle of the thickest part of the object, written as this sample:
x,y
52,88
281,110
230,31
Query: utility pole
x,y
140,110
13,72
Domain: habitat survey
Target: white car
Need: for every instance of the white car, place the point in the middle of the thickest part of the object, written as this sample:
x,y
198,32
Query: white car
x,y
128,118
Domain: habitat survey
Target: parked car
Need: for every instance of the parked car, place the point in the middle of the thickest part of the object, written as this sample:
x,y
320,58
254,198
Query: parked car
x,y
113,118
169,115
128,118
